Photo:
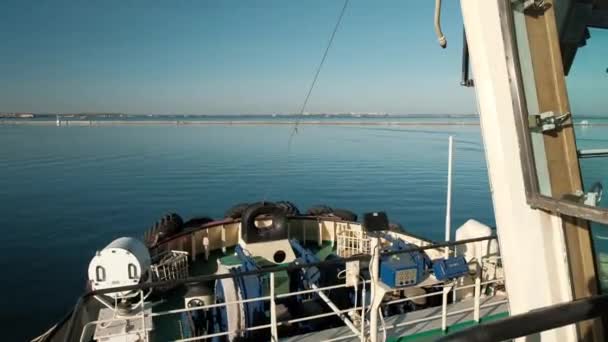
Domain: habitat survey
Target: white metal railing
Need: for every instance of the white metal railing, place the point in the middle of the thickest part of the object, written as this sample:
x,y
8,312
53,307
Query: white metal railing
x,y
351,242
172,266
476,308
115,318
272,302
422,320
358,327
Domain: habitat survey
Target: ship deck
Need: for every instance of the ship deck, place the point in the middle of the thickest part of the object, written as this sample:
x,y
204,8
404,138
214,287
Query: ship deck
x,y
219,240
419,325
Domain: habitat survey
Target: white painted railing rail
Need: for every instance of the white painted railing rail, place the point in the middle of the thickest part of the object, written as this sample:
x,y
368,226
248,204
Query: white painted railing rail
x,y
359,329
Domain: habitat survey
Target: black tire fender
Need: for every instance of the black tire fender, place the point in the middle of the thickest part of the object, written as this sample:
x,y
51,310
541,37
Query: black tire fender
x,y
345,215
319,210
236,211
196,222
289,207
250,231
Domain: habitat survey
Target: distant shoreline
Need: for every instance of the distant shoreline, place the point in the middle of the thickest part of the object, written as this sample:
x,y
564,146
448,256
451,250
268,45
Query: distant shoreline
x,y
235,123
456,122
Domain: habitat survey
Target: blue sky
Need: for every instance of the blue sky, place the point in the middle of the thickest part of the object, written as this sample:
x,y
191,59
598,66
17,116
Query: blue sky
x,y
588,78
229,57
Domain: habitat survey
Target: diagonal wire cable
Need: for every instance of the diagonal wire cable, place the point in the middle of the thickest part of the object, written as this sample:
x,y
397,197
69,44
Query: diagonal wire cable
x,y
312,86
314,80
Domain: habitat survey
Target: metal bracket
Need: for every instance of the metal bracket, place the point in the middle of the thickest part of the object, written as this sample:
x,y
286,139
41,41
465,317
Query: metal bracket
x,y
547,121
594,195
590,198
352,273
465,81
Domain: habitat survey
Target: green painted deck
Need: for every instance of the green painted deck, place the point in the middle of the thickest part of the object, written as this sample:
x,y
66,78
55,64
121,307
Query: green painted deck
x,y
167,328
422,331
432,335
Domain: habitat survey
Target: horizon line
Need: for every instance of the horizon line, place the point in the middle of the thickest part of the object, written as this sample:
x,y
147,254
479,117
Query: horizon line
x,y
240,114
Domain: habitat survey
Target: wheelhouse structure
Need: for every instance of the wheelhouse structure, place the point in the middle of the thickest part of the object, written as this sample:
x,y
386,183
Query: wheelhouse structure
x,y
521,53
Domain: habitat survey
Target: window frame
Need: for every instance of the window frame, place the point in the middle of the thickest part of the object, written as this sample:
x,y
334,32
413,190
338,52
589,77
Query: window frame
x,y
534,197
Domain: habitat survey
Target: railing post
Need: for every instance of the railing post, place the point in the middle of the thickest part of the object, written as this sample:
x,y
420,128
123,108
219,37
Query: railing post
x,y
320,234
446,251
448,205
376,290
477,292
223,236
444,307
362,325
206,246
334,236
143,316
273,311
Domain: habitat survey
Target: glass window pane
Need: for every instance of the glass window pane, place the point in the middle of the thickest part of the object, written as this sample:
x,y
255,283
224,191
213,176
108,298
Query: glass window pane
x,y
587,84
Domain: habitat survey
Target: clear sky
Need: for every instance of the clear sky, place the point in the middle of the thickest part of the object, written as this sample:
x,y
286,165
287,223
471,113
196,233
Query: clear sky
x,y
588,78
229,57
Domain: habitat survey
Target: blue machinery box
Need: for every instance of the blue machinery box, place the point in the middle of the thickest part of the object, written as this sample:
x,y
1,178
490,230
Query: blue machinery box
x,y
401,270
450,268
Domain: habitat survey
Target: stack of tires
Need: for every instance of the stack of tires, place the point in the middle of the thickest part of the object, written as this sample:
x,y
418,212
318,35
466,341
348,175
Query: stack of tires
x,y
291,209
172,224
326,211
288,208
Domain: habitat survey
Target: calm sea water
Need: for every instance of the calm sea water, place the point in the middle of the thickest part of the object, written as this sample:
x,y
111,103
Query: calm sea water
x,y
68,191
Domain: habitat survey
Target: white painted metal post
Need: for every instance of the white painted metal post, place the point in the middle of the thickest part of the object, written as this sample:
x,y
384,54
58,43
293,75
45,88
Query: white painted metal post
x,y
334,237
320,234
444,307
375,265
143,316
446,251
362,326
223,232
477,292
273,311
206,246
448,205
